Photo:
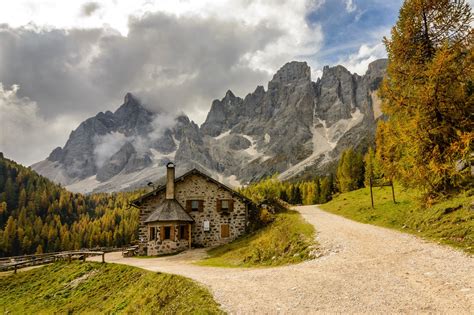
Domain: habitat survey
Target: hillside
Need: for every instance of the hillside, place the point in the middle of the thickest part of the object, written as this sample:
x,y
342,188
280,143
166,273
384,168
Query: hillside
x,y
37,215
449,222
289,239
91,288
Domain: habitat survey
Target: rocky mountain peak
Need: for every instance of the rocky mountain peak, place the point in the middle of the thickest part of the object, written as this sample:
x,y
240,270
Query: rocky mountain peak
x,y
229,94
130,98
295,127
292,72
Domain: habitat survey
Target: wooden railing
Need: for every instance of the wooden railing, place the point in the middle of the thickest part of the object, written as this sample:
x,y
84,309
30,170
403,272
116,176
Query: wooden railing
x,y
17,262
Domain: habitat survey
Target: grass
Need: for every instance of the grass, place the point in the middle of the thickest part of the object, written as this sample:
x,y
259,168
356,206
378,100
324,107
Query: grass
x,y
95,288
449,222
288,239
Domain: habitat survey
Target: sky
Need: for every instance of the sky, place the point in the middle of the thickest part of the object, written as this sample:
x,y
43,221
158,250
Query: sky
x,y
64,61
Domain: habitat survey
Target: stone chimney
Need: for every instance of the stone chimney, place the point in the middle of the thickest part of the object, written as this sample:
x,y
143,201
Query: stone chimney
x,y
170,181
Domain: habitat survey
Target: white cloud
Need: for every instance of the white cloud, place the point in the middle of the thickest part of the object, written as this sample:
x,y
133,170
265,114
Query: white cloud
x,y
76,58
360,61
289,17
107,145
350,6
23,132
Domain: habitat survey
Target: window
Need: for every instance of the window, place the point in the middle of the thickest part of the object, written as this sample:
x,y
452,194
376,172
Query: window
x,y
167,233
225,205
224,230
194,205
152,235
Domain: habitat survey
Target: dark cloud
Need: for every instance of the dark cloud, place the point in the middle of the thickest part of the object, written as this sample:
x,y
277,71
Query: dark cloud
x,y
89,8
170,63
173,65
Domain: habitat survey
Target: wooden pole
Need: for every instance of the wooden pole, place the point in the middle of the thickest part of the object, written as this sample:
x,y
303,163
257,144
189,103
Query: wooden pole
x,y
189,235
15,267
393,192
103,258
371,194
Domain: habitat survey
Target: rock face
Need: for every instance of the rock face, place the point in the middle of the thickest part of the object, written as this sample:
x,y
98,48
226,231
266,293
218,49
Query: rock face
x,y
293,127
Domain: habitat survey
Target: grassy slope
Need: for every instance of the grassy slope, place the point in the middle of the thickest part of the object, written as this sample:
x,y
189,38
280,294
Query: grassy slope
x,y
449,222
287,240
104,288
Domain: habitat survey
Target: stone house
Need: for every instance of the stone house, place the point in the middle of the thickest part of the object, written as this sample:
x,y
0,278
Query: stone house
x,y
191,210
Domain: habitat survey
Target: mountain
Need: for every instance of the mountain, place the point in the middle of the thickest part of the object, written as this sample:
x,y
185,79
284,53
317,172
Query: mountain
x,y
294,127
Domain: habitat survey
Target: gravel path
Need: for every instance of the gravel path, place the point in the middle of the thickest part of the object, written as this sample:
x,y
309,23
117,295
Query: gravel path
x,y
364,269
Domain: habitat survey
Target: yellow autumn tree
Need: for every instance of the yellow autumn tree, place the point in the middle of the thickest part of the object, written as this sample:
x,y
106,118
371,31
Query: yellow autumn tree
x,y
427,95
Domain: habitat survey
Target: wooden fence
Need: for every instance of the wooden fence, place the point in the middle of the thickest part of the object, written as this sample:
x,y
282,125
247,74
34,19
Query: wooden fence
x,y
17,262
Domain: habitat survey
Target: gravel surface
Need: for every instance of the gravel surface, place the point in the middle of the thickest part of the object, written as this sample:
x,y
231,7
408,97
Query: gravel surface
x,y
363,268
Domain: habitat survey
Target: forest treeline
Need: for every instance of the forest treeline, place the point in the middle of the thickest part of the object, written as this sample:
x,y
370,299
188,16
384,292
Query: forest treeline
x,y
38,216
316,191
354,171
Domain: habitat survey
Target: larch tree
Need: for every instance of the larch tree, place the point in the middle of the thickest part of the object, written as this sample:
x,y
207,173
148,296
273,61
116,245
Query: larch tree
x,y
427,95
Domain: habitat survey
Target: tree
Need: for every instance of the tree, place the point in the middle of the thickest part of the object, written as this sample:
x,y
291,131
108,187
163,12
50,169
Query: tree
x,y
295,195
371,167
316,197
427,96
350,171
326,189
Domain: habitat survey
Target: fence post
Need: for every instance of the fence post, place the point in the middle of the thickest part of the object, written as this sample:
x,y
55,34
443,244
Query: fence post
x,y
393,192
15,268
371,195
103,258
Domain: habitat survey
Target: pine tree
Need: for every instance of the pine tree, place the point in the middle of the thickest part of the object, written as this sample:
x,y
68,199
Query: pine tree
x,y
350,171
428,96
371,167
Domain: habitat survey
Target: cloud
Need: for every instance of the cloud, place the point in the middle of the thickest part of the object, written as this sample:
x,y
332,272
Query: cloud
x,y
107,145
177,56
23,132
350,6
89,8
360,61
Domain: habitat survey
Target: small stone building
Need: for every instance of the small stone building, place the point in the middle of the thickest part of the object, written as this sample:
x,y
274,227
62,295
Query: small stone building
x,y
191,210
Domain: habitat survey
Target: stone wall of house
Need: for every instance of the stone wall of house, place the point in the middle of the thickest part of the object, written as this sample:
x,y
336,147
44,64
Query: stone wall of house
x,y
146,209
196,187
159,246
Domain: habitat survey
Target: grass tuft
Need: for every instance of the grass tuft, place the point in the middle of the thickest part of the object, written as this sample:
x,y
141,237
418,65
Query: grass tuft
x,y
94,288
449,222
288,239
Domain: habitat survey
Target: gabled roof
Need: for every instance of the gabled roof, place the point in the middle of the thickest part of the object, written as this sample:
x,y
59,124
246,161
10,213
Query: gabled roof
x,y
139,200
169,210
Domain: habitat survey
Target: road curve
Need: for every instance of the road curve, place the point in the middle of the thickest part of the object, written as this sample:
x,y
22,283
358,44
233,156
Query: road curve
x,y
364,269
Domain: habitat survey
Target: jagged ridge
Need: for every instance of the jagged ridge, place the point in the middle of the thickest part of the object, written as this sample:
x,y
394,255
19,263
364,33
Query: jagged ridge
x,y
293,126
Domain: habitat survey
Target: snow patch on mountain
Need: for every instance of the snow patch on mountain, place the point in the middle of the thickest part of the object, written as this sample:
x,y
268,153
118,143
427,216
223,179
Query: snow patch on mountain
x,y
324,141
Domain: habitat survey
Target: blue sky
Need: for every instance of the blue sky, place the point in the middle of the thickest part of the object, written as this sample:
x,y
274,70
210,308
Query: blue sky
x,y
345,30
348,27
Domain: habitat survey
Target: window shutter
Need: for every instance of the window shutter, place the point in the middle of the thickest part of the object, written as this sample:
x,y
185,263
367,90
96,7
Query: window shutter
x,y
162,233
231,205
172,232
186,231
219,205
201,205
188,205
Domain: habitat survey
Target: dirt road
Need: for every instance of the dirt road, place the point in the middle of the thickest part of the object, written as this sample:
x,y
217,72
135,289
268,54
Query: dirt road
x,y
364,269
